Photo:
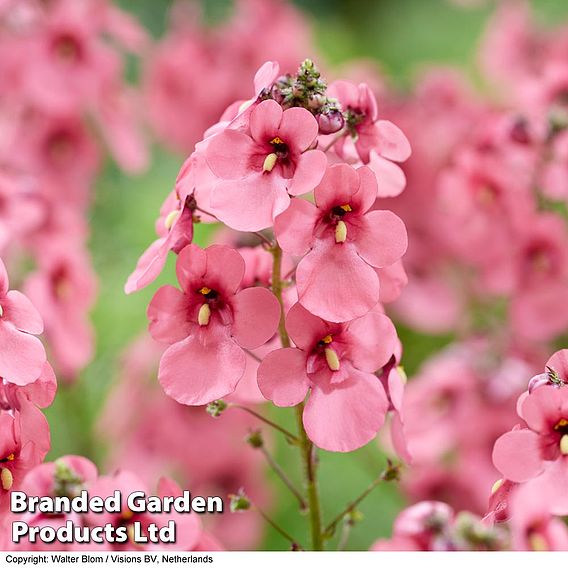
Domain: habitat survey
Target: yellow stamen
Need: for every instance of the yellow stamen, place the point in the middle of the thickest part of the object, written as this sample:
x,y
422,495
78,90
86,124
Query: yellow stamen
x,y
561,423
205,290
11,458
269,162
277,140
332,359
564,445
340,232
130,532
496,486
538,543
346,207
402,373
172,217
7,479
245,105
127,514
327,339
204,315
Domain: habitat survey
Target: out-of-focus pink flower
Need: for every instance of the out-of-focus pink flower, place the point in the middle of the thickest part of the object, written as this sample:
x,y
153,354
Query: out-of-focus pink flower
x,y
259,171
208,324
150,432
22,355
335,363
65,287
345,242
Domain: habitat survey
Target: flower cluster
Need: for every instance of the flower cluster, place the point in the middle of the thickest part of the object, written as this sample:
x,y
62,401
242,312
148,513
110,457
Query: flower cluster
x,y
68,476
62,89
27,383
250,172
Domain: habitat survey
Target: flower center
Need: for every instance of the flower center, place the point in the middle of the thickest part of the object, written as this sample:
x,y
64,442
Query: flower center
x,y
330,354
210,296
280,152
336,215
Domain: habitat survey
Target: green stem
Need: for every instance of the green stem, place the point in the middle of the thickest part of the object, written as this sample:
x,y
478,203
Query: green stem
x,y
306,447
290,437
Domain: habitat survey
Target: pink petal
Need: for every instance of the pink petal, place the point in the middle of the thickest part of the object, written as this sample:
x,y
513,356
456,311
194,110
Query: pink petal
x,y
381,238
390,177
335,284
346,92
149,266
366,195
543,407
282,377
22,313
516,455
309,172
304,328
4,282
393,279
346,417
294,227
204,367
191,267
265,76
559,363
21,355
373,341
250,204
338,186
265,121
229,153
298,128
398,439
225,268
257,313
393,144
168,315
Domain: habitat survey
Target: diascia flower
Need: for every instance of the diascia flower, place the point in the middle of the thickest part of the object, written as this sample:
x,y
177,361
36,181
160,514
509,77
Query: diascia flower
x,y
379,141
523,453
208,323
21,354
259,170
335,363
344,242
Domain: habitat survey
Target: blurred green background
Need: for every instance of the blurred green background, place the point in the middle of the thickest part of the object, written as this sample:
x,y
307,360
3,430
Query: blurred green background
x,y
402,36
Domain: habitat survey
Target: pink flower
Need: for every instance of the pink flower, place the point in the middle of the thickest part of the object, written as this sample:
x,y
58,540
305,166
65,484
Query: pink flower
x,y
344,242
24,442
335,363
208,324
258,171
522,453
556,372
367,132
22,355
65,288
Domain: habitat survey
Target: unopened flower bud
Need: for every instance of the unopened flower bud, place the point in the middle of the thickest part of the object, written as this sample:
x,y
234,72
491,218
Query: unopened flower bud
x,y
332,359
564,445
6,478
269,162
538,381
330,122
340,232
216,408
254,439
239,502
204,315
